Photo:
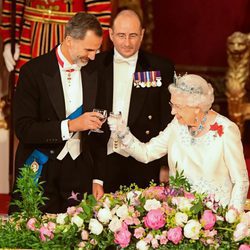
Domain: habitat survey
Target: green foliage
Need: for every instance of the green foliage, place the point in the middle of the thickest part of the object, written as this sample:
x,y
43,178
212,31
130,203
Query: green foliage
x,y
179,181
31,194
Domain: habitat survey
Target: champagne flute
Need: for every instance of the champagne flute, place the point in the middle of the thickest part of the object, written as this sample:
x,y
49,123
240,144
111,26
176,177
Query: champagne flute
x,y
117,116
104,114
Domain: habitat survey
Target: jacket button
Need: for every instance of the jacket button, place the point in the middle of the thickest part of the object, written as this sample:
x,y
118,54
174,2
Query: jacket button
x,y
150,117
147,132
52,152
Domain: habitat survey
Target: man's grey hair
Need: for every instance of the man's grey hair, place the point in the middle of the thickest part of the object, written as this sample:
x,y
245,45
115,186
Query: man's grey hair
x,y
80,23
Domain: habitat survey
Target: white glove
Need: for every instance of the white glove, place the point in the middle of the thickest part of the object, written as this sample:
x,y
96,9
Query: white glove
x,y
117,125
10,60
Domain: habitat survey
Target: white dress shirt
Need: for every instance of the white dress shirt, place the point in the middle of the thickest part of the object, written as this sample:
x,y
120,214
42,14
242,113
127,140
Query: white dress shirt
x,y
124,68
72,90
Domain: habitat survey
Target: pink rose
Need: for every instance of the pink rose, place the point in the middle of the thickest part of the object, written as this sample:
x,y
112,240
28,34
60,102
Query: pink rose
x,y
123,236
31,224
175,235
139,232
154,219
51,226
84,235
71,210
244,247
163,240
188,195
208,219
129,220
44,231
157,192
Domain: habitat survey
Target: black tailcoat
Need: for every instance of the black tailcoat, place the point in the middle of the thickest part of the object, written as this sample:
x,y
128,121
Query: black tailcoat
x,y
39,108
149,113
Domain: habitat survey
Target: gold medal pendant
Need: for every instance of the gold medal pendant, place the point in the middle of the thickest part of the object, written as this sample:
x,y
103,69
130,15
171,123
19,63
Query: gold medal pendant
x,y
34,166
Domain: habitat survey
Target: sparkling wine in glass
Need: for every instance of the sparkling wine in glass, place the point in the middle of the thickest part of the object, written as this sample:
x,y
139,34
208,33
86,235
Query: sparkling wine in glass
x,y
104,113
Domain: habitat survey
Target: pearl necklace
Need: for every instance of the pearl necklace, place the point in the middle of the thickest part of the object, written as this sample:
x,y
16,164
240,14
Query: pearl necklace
x,y
194,133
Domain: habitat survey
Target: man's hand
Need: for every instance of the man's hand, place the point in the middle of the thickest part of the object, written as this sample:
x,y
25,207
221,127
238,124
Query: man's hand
x,y
86,121
97,191
9,59
164,174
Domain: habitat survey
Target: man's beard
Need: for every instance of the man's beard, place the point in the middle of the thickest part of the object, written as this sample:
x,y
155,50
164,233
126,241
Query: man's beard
x,y
81,61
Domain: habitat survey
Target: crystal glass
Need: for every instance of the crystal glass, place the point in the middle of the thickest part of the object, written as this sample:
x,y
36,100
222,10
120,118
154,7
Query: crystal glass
x,y
104,113
116,116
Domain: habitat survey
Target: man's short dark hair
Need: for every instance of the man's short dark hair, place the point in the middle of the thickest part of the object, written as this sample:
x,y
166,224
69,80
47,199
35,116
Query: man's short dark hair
x,y
80,23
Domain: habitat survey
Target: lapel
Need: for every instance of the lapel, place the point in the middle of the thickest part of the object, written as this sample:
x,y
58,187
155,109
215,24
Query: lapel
x,y
89,87
138,95
52,80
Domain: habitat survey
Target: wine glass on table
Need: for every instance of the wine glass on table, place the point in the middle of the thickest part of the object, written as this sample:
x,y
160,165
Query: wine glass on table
x,y
104,114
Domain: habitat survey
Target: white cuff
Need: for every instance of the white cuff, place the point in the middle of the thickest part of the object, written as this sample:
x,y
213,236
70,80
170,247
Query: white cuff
x,y
65,130
98,182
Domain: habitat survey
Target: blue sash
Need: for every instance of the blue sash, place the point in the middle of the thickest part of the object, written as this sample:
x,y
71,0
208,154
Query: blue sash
x,y
37,159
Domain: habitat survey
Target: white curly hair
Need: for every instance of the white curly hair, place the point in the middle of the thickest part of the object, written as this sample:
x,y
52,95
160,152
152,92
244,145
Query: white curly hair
x,y
194,91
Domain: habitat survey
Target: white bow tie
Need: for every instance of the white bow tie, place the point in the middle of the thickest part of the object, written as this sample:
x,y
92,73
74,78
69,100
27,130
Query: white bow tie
x,y
130,60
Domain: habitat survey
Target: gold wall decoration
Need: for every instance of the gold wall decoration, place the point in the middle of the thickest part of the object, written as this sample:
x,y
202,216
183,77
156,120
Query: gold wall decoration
x,y
238,51
3,122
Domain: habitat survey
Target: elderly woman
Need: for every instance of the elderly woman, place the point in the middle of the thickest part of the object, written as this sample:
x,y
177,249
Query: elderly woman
x,y
203,143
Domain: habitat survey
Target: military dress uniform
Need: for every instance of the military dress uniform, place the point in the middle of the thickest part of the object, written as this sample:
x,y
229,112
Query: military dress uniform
x,y
40,24
145,109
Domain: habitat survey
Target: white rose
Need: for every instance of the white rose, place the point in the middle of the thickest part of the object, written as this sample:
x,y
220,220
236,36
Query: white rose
x,y
104,215
152,204
95,227
107,202
60,219
77,220
245,217
241,232
113,211
132,196
231,216
142,245
181,219
184,204
115,224
192,229
122,212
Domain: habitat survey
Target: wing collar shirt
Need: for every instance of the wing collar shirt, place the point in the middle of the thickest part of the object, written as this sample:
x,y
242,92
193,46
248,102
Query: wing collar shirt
x,y
72,90
124,69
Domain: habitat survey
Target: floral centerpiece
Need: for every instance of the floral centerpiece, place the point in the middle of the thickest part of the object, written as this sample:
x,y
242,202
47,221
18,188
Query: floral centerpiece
x,y
157,217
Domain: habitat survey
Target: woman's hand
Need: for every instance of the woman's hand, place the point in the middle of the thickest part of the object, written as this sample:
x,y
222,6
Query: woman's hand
x,y
117,125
